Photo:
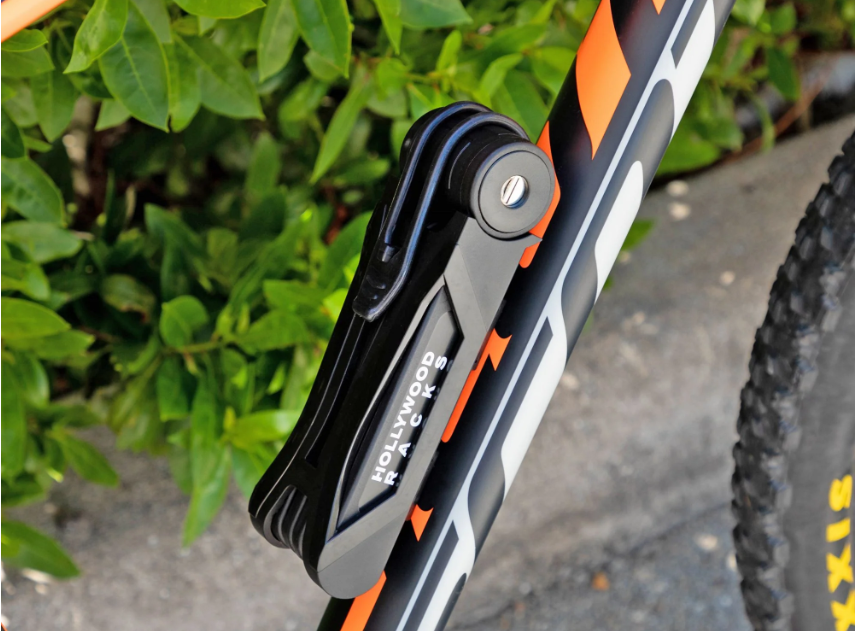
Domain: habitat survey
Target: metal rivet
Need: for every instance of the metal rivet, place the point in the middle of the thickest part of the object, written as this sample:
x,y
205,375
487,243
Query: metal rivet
x,y
514,191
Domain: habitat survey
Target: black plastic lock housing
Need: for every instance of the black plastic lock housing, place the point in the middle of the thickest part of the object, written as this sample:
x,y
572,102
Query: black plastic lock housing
x,y
438,256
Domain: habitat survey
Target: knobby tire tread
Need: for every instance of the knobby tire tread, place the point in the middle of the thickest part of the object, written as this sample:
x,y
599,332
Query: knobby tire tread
x,y
803,306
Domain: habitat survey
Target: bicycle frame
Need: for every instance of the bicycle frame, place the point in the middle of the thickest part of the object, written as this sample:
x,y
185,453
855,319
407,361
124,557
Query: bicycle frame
x,y
627,90
631,81
19,14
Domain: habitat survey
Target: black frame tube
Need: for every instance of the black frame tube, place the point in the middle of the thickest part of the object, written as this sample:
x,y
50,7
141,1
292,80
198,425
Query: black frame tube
x,y
605,151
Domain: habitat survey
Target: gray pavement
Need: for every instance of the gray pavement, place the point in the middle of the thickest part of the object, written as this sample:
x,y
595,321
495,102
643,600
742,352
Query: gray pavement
x,y
684,581
627,478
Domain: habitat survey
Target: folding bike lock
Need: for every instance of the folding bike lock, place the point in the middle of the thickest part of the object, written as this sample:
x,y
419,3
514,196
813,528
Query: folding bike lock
x,y
438,256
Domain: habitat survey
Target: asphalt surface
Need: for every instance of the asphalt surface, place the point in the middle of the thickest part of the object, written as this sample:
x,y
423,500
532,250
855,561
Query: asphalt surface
x,y
617,516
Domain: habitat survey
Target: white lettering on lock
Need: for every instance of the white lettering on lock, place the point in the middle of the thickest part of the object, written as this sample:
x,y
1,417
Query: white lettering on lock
x,y
389,469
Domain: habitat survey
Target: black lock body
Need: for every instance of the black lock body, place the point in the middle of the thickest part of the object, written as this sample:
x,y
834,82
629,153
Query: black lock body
x,y
437,259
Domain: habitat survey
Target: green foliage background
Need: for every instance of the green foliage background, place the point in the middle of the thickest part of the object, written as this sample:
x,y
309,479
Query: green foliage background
x,y
184,194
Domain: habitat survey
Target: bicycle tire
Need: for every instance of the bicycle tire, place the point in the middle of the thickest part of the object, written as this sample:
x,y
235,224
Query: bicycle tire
x,y
796,425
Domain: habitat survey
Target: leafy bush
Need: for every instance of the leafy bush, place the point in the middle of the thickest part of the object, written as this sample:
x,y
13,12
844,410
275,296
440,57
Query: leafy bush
x,y
184,188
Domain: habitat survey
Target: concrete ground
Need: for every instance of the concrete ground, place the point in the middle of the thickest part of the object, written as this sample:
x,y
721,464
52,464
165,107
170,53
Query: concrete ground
x,y
618,515
683,581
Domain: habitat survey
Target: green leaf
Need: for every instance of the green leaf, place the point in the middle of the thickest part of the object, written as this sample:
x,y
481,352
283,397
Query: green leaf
x,y
342,250
292,295
7,91
34,144
19,106
88,81
138,361
272,261
86,460
722,131
783,74
24,546
26,64
389,13
391,74
222,248
687,151
53,459
398,131
543,14
422,99
390,105
448,56
111,114
208,496
248,468
261,427
220,9
27,278
185,97
23,491
744,53
326,28
638,232
277,380
234,367
226,87
299,381
264,170
169,228
102,28
205,24
13,424
518,98
425,14
142,428
302,101
25,319
494,76
172,396
27,189
748,11
276,329
125,293
267,217
515,39
67,286
784,19
180,319
43,242
135,72
32,380
321,68
342,123
550,66
132,358
75,416
277,37
209,460
769,133
24,40
179,465
333,304
157,15
365,171
205,429
55,347
12,145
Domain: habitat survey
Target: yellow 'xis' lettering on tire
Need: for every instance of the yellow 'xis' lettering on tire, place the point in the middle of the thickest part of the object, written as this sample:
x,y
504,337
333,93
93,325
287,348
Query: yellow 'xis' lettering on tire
x,y
840,566
841,493
838,530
